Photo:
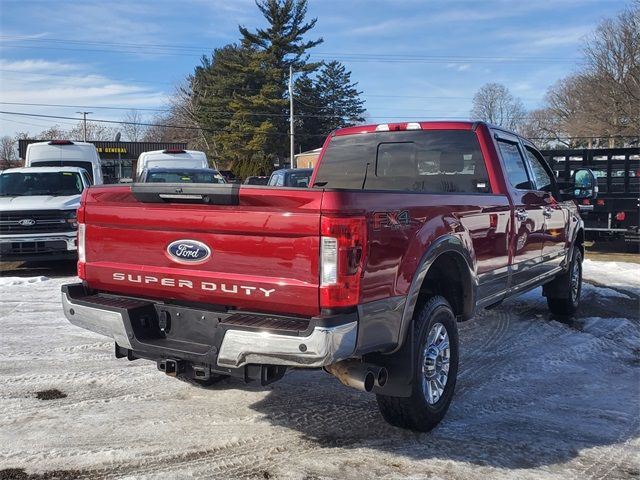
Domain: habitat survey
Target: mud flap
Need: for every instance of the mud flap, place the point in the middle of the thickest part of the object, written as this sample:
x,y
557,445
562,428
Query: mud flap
x,y
400,366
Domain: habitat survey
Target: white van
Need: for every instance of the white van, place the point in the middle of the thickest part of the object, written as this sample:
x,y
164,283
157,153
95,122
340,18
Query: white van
x,y
172,158
65,153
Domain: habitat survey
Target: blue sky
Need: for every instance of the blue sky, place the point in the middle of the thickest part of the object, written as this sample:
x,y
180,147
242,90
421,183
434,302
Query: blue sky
x,y
412,59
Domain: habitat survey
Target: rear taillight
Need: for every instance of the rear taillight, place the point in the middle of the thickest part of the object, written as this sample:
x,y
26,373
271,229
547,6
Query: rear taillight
x,y
82,252
82,257
342,258
620,216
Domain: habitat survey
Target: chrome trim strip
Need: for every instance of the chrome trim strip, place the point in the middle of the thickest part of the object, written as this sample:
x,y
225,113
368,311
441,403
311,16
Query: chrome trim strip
x,y
104,322
44,237
324,346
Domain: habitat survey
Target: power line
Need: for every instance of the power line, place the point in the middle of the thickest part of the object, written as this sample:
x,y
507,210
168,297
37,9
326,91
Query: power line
x,y
185,50
144,124
198,48
256,114
210,130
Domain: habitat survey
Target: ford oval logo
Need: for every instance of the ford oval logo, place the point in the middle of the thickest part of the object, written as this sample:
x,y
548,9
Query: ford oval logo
x,y
27,222
188,251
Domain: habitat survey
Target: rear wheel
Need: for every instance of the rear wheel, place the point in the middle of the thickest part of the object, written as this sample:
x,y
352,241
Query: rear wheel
x,y
436,369
563,294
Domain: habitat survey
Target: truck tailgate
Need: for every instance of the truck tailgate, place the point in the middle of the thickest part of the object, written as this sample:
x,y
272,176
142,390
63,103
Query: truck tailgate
x,y
264,251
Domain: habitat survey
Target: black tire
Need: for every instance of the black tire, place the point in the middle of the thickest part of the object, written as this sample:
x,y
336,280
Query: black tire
x,y
556,291
416,412
212,380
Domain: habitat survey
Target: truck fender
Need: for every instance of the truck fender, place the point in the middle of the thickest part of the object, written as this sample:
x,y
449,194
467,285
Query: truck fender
x,y
443,245
400,361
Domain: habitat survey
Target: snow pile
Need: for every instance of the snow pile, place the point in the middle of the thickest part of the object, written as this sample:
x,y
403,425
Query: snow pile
x,y
7,281
613,274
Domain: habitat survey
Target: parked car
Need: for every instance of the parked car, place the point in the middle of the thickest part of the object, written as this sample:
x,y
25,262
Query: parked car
x,y
65,153
291,177
255,180
229,176
171,158
407,229
181,175
38,219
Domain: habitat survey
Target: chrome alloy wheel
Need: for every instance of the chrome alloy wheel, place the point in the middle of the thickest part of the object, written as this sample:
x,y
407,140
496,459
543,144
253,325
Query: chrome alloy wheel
x,y
435,364
575,281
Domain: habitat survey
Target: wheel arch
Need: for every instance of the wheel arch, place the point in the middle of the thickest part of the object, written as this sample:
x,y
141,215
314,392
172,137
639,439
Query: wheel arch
x,y
446,269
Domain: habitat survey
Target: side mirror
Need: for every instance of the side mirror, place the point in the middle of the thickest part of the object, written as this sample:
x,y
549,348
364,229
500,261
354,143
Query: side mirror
x,y
584,185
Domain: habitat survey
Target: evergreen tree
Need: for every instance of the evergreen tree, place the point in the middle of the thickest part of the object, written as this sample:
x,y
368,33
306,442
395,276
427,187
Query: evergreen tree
x,y
340,98
220,92
309,111
331,101
238,96
281,45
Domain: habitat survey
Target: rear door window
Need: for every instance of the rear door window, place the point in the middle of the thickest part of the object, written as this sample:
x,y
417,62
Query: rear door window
x,y
430,161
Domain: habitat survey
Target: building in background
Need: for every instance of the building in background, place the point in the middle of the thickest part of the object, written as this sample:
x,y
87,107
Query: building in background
x,y
307,159
118,159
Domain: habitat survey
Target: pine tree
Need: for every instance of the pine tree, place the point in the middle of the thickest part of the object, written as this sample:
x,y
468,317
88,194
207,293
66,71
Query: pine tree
x,y
340,98
238,96
281,45
310,128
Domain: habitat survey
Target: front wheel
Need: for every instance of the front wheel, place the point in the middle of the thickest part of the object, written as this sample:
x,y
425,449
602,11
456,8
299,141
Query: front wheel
x,y
435,372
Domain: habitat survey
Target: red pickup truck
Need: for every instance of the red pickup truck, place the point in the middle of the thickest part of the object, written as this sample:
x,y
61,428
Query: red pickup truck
x,y
405,229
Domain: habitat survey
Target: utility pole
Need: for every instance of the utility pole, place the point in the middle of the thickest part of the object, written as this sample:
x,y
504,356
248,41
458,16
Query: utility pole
x,y
291,115
84,129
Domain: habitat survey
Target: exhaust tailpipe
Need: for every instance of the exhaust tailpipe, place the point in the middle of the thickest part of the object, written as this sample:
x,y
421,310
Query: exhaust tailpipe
x,y
356,374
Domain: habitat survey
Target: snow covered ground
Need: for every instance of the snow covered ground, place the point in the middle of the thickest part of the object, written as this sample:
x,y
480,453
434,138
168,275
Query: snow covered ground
x,y
535,399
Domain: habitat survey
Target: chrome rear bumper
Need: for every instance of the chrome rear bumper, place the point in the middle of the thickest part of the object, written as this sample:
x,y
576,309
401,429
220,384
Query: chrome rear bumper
x,y
318,347
324,346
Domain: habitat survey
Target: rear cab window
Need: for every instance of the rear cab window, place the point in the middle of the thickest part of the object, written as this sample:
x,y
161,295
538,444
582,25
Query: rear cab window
x,y
421,161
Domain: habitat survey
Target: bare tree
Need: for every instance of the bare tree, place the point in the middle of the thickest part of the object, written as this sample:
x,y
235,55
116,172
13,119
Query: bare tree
x,y
494,103
542,126
8,151
95,131
600,106
52,133
133,130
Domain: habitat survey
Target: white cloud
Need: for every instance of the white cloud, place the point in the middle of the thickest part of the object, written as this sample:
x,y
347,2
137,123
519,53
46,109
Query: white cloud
x,y
62,83
540,40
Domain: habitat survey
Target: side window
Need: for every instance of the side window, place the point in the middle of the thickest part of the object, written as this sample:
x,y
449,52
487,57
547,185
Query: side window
x,y
86,179
280,180
514,164
541,178
273,180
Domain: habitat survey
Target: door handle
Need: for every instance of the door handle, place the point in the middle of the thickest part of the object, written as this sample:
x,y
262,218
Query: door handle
x,y
522,215
547,212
